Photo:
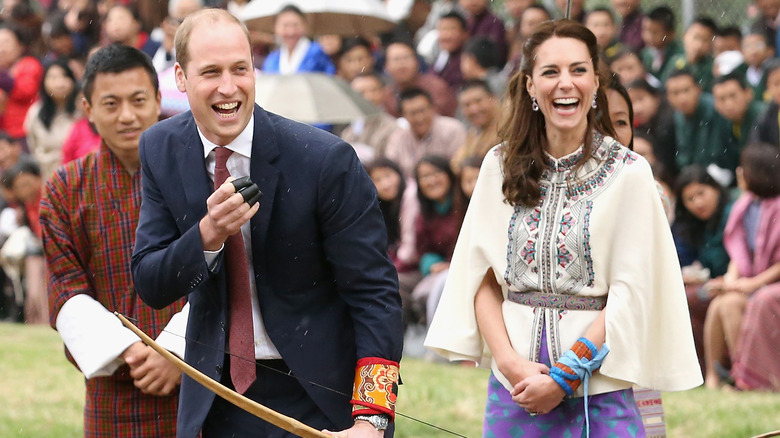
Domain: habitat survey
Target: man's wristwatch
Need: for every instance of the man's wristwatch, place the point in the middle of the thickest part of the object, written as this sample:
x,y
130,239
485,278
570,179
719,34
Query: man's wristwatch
x,y
379,421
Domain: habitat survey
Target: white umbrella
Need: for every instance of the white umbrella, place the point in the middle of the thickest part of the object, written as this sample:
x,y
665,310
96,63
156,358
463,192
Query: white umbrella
x,y
312,98
325,17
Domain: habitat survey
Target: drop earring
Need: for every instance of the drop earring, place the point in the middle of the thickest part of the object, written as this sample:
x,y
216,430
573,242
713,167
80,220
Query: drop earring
x,y
593,105
534,105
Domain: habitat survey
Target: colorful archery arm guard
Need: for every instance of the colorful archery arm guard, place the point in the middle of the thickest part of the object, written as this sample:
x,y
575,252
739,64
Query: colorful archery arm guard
x,y
567,371
376,387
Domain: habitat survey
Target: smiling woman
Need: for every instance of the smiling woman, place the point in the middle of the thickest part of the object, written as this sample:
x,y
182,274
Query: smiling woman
x,y
543,285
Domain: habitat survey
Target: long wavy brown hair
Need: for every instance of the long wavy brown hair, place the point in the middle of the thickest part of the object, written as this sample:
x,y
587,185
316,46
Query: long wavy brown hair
x,y
523,130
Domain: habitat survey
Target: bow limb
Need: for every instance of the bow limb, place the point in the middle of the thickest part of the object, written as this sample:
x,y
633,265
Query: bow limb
x,y
289,424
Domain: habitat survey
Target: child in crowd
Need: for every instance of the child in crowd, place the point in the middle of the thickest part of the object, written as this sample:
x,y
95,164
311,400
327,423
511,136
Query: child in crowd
x,y
661,45
601,22
700,217
756,51
767,129
442,208
728,38
627,64
743,321
697,46
654,117
469,171
400,215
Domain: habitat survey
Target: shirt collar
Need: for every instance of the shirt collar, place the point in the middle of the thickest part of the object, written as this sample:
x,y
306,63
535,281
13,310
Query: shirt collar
x,y
242,144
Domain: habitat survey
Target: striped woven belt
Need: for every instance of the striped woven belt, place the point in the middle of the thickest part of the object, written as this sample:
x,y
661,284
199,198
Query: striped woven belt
x,y
558,301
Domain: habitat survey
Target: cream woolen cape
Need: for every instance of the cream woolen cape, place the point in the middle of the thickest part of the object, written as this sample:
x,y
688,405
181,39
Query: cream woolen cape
x,y
601,233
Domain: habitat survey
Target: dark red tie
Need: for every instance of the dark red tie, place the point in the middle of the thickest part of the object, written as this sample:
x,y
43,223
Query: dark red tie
x,y
241,334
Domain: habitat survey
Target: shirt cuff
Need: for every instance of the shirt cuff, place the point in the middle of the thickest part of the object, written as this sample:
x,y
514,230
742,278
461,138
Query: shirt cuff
x,y
212,257
173,337
93,336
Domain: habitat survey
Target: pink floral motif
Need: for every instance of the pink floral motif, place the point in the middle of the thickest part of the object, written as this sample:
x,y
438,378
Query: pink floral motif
x,y
532,220
567,223
564,256
528,253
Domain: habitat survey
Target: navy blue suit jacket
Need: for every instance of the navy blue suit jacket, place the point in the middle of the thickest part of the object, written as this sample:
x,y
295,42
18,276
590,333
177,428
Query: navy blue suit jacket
x,y
326,287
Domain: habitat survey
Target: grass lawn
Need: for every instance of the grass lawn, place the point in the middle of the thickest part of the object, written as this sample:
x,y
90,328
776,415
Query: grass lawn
x,y
41,395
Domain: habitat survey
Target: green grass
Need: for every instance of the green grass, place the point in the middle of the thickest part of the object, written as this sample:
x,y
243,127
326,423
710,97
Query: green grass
x,y
42,395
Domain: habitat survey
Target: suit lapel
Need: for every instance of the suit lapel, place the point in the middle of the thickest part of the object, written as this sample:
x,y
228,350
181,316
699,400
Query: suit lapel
x,y
265,150
195,181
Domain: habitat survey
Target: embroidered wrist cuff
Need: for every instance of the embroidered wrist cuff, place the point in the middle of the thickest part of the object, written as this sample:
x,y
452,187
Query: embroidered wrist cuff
x,y
376,387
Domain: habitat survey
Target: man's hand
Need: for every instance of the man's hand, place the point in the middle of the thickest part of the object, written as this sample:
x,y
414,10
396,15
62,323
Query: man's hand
x,y
135,354
361,429
156,375
538,393
227,211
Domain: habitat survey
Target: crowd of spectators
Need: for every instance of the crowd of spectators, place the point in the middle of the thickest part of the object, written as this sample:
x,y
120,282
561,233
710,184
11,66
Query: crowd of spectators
x,y
698,101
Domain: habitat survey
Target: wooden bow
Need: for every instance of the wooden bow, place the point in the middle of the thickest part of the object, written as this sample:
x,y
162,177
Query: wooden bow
x,y
289,424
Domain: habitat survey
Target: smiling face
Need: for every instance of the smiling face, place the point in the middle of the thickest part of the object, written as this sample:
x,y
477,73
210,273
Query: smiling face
x,y
433,182
564,82
57,84
122,106
478,106
219,80
387,182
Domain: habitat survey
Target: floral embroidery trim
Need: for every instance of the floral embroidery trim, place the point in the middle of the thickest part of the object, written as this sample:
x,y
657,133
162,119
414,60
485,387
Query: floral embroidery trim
x,y
376,387
590,274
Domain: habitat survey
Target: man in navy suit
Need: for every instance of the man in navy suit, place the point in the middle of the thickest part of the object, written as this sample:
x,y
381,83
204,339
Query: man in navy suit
x,y
326,314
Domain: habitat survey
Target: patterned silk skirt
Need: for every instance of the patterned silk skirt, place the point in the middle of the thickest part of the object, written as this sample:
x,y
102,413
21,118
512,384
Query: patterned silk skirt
x,y
612,414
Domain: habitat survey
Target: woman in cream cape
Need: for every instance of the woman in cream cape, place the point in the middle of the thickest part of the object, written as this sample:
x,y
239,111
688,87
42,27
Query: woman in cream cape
x,y
565,241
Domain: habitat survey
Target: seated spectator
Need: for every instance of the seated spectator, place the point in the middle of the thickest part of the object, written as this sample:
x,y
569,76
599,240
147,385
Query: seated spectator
x,y
82,139
513,10
767,130
757,52
354,58
643,145
58,39
469,172
601,22
123,26
370,135
20,80
165,56
442,208
532,16
296,53
479,60
697,47
25,182
627,64
50,120
701,132
452,36
661,44
727,38
482,22
744,315
621,112
631,18
400,209
654,117
734,101
428,132
11,152
403,70
701,213
481,108
766,22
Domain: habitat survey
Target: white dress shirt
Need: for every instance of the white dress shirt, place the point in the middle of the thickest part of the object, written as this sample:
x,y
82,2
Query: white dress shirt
x,y
238,164
289,62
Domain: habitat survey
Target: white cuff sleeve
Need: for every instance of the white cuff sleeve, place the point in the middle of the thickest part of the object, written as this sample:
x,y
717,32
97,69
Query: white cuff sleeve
x,y
211,257
173,335
93,335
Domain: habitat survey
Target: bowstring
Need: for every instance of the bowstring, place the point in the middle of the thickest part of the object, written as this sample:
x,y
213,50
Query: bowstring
x,y
290,374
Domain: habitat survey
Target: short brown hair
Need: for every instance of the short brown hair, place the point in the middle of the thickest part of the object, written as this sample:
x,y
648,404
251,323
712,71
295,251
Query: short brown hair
x,y
213,15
